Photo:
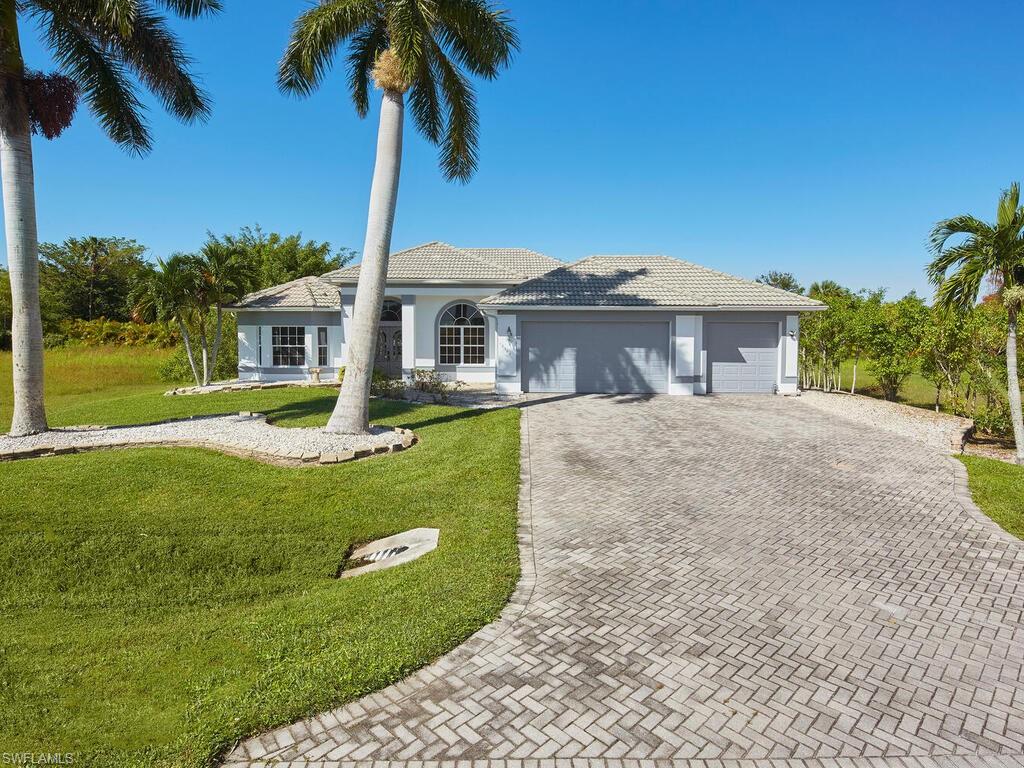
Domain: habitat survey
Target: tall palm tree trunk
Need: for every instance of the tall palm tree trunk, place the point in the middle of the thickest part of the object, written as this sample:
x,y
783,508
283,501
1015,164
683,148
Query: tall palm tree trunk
x,y
20,227
1013,386
351,413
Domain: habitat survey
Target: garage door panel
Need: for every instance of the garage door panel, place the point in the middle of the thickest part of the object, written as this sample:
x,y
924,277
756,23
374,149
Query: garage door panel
x,y
596,357
743,357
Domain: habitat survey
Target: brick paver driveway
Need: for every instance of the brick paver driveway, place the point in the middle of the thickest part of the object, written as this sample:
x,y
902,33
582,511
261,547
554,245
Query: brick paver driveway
x,y
724,582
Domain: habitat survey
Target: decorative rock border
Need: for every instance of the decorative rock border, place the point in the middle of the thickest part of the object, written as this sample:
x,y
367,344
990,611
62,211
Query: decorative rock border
x,y
61,442
249,386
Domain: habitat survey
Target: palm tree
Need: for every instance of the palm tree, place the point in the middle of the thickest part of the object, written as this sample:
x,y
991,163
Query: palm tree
x,y
168,293
97,45
224,276
414,46
988,250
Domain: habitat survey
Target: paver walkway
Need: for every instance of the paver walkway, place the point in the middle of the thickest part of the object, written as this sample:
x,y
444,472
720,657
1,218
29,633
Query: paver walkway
x,y
720,582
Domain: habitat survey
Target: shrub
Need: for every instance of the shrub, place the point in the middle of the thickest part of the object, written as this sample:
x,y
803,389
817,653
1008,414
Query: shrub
x,y
433,383
384,386
5,341
994,420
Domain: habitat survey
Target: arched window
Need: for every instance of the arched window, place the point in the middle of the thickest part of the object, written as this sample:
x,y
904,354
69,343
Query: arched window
x,y
391,310
461,336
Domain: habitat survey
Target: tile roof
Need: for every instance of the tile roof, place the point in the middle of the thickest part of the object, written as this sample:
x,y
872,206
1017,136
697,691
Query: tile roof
x,y
440,261
637,281
304,293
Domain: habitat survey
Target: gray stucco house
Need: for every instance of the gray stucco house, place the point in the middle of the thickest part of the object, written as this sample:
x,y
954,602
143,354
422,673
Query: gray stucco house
x,y
524,322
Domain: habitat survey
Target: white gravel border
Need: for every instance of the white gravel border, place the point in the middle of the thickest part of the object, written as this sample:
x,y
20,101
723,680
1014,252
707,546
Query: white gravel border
x,y
942,431
242,434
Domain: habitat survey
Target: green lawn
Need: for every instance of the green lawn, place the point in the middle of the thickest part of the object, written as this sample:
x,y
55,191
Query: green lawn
x,y
998,490
76,374
160,603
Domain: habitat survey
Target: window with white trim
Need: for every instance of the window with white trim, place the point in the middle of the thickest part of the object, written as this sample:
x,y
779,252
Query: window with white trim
x,y
461,336
288,343
321,346
259,347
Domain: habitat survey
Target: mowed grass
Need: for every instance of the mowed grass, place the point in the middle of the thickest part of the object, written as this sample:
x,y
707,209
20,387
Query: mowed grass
x,y
160,604
998,490
74,374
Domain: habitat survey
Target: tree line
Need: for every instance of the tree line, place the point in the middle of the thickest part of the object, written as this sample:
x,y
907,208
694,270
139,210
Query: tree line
x,y
109,279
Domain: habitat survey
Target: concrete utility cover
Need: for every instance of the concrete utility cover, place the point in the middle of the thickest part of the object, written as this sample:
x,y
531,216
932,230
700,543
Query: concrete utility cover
x,y
410,545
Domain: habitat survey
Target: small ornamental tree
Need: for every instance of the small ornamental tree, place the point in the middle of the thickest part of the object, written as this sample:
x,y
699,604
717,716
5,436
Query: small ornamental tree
x,y
894,338
947,352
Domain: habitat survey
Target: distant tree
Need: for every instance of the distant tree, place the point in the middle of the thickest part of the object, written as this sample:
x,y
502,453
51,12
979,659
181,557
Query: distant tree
x,y
275,258
825,337
947,351
894,335
959,270
784,280
824,288
91,277
858,339
224,276
167,293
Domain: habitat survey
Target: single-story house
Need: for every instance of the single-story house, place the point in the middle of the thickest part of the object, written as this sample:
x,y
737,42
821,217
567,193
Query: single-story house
x,y
525,322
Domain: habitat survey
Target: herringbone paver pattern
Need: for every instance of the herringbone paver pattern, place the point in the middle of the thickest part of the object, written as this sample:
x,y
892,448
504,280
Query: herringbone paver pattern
x,y
720,582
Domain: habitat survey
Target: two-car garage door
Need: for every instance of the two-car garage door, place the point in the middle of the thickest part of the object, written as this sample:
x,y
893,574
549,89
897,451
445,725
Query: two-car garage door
x,y
616,357
625,357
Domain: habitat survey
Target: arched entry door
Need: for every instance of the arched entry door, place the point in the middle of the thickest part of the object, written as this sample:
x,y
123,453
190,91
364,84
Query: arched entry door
x,y
388,357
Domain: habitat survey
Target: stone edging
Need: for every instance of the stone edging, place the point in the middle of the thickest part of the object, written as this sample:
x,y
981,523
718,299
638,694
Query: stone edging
x,y
278,458
244,386
962,491
477,643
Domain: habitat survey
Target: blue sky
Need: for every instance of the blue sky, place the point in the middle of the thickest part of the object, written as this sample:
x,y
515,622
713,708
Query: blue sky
x,y
819,138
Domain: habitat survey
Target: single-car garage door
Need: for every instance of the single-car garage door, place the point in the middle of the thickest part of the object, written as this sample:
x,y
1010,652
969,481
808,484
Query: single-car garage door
x,y
742,357
615,357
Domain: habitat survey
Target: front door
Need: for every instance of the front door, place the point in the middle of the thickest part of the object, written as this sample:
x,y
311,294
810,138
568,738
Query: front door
x,y
388,358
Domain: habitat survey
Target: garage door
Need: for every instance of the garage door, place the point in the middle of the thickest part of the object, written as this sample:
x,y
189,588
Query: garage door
x,y
595,357
742,357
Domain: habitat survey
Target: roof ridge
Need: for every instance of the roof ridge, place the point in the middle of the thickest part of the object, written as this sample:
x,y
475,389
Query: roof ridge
x,y
484,262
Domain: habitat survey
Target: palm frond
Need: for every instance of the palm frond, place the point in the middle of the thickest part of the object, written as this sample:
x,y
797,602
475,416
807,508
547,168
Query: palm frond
x,y
958,225
191,9
971,251
960,290
408,35
315,38
459,145
105,85
157,58
1009,204
366,45
481,38
424,103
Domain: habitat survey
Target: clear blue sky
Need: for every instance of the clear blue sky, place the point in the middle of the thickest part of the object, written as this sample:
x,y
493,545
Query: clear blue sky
x,y
819,138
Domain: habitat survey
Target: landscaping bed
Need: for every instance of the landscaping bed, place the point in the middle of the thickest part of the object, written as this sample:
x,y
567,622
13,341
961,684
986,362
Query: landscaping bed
x,y
162,603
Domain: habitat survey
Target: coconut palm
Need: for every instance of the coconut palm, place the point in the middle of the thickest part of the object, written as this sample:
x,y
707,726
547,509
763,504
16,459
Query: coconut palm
x,y
987,251
419,47
99,45
168,293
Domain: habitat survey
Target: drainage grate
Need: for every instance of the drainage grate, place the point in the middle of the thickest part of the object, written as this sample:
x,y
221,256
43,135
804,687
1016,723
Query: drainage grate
x,y
384,554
